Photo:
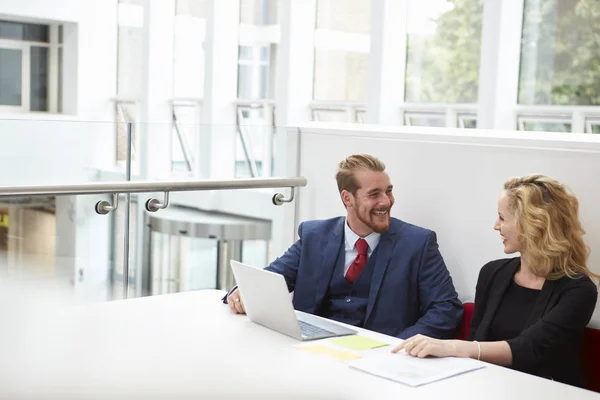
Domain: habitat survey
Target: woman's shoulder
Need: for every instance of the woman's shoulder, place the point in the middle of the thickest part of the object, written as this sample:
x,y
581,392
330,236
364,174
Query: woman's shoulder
x,y
579,282
494,266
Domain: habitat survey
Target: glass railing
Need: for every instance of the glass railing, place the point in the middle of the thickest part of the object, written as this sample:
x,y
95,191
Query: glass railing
x,y
55,173
58,239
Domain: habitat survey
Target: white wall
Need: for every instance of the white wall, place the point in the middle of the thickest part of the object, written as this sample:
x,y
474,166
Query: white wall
x,y
449,180
96,47
42,147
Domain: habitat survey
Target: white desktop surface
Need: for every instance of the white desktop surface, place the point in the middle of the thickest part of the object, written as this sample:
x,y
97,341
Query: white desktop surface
x,y
189,345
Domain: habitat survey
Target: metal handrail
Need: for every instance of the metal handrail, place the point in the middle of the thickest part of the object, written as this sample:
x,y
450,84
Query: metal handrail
x,y
150,186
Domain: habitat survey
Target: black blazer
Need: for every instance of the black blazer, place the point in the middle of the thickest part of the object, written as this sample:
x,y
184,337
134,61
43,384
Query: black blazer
x,y
549,344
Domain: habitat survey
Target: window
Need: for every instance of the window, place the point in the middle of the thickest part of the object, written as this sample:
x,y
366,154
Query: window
x,y
442,60
257,53
130,40
188,59
30,67
188,84
544,123
257,57
253,72
342,47
560,53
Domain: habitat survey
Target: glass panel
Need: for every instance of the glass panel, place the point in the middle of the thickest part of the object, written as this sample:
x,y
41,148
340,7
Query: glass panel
x,y
126,113
255,252
253,72
444,40
57,240
185,137
560,54
39,79
130,59
60,34
3,237
60,80
360,116
342,50
596,128
188,58
467,123
340,75
330,116
117,264
192,8
182,263
259,12
414,119
344,15
10,77
546,126
21,31
254,144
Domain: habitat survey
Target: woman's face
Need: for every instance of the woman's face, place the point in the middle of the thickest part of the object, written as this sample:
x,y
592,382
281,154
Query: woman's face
x,y
506,225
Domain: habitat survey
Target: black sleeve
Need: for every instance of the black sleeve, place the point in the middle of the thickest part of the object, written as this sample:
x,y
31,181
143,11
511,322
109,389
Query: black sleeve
x,y
481,292
561,327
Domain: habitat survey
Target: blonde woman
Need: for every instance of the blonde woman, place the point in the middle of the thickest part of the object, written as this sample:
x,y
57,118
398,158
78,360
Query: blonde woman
x,y
530,311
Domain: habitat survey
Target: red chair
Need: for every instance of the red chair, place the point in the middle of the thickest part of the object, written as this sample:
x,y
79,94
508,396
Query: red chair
x,y
466,322
590,358
589,354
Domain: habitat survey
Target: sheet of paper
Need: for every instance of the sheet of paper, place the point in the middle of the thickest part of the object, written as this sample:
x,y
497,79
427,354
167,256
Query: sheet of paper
x,y
330,352
414,371
356,342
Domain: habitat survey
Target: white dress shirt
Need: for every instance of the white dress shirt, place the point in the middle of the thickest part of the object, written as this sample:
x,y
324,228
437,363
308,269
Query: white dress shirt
x,y
350,239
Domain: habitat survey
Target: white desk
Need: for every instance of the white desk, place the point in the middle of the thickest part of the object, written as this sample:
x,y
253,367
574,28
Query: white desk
x,y
189,345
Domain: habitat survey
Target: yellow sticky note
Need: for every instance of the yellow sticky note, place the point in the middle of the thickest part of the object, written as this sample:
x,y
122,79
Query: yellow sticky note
x,y
330,352
356,342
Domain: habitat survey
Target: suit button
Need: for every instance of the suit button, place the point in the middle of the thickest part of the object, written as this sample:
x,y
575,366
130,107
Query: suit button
x,y
348,300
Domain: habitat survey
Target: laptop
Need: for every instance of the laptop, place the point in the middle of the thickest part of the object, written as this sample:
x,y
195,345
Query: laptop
x,y
268,303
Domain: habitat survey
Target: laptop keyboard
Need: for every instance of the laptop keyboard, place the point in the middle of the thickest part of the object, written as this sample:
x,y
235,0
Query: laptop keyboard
x,y
309,330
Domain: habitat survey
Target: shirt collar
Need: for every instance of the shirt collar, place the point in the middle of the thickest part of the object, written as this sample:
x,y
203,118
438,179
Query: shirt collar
x,y
351,238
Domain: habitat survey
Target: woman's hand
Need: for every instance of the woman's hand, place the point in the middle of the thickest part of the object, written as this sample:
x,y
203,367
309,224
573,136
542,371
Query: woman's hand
x,y
422,346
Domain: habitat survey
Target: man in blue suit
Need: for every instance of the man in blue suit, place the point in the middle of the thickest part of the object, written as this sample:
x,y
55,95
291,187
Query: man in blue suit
x,y
368,269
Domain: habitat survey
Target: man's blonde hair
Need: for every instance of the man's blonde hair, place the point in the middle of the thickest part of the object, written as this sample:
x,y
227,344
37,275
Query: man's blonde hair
x,y
550,231
346,168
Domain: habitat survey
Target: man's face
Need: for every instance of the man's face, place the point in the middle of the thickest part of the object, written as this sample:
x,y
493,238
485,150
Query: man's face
x,y
369,210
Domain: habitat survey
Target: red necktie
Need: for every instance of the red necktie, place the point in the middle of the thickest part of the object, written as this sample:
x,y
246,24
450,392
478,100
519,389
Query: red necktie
x,y
359,262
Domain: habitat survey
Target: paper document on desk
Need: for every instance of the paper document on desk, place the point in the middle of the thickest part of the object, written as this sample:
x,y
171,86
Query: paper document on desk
x,y
414,371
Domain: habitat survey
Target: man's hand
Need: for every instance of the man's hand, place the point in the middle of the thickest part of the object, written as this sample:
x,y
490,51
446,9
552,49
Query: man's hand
x,y
235,302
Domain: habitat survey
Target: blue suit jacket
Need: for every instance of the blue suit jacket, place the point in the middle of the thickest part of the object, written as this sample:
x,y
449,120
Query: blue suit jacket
x,y
411,290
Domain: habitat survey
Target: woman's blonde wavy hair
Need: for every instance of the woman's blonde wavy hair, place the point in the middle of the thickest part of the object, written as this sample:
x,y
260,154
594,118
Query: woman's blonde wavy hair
x,y
550,232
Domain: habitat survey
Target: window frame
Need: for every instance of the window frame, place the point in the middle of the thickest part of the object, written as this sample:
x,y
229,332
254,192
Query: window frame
x,y
25,46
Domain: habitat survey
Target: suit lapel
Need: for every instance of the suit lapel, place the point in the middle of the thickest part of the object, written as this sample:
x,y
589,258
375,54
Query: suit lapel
x,y
499,284
330,250
384,251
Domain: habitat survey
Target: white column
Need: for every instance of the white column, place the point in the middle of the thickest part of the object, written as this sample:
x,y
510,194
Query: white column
x,y
218,133
70,82
155,106
387,61
499,64
294,92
